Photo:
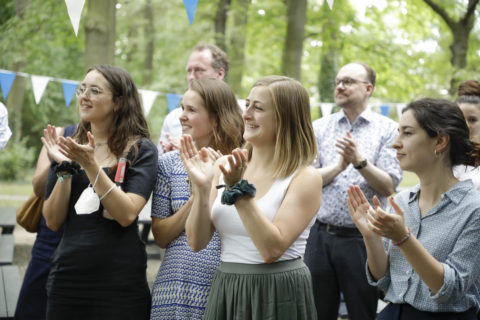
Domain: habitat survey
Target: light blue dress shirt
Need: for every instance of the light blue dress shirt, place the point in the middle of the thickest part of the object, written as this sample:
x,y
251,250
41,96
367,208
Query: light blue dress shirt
x,y
450,232
374,135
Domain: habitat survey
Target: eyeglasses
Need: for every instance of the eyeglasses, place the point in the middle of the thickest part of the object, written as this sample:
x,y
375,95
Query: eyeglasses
x,y
347,82
89,92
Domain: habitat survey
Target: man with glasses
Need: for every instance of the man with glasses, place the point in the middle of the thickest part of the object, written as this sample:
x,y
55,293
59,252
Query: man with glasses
x,y
205,61
354,147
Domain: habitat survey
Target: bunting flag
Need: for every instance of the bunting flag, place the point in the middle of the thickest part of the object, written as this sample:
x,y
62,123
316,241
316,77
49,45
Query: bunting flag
x,y
69,90
384,109
326,108
148,97
6,81
74,8
190,6
39,83
330,4
173,100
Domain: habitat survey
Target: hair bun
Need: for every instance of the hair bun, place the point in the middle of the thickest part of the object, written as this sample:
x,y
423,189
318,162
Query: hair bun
x,y
469,88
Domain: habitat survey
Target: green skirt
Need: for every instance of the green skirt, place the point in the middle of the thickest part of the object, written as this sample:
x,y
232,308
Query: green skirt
x,y
281,290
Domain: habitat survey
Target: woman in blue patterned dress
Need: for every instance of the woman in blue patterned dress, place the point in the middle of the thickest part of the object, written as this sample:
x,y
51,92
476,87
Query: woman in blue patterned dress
x,y
212,117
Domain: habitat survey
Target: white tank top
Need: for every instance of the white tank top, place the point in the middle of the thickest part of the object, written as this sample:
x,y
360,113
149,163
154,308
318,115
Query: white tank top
x,y
237,246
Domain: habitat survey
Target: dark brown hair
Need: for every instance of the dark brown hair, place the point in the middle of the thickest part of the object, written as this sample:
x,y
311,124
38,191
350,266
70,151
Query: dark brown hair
x,y
437,116
469,92
129,122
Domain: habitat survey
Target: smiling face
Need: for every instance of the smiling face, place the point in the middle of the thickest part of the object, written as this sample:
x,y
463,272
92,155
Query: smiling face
x,y
195,119
95,102
471,113
259,117
415,148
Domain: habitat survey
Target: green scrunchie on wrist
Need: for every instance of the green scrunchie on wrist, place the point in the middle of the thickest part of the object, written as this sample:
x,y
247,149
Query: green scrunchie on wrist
x,y
232,193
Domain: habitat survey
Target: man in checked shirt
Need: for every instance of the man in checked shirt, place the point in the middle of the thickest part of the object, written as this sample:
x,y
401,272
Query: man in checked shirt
x,y
354,147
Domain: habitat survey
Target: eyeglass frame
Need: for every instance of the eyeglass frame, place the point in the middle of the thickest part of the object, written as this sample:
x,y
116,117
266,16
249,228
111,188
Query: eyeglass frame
x,y
349,83
88,91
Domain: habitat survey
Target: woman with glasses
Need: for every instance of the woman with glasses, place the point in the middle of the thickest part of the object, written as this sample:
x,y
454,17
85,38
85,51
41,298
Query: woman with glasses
x,y
212,118
262,201
427,263
99,181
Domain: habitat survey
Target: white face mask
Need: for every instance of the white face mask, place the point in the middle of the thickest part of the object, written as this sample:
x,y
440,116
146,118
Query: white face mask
x,y
88,201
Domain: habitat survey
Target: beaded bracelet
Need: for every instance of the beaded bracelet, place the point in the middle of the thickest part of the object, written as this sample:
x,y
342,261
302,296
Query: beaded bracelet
x,y
404,238
232,193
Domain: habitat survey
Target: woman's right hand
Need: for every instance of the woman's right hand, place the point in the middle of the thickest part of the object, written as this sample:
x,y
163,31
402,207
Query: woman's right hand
x,y
199,164
360,211
50,141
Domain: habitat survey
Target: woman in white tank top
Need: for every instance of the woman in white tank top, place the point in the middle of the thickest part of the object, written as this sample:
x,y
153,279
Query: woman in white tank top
x,y
270,197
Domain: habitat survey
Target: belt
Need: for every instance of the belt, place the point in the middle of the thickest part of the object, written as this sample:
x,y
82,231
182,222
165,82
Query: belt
x,y
337,230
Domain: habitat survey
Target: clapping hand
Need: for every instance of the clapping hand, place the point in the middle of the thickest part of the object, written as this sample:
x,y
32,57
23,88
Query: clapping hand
x,y
83,154
51,141
237,165
199,164
360,211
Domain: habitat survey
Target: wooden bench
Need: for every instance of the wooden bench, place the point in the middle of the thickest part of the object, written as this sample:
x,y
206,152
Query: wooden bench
x,y
7,245
8,219
10,284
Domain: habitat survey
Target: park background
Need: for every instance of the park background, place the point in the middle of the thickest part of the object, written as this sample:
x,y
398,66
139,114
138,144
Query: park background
x,y
418,48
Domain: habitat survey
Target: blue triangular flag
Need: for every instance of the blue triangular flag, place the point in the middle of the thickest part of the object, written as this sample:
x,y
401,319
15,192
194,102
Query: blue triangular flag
x,y
190,6
173,100
69,90
6,81
384,110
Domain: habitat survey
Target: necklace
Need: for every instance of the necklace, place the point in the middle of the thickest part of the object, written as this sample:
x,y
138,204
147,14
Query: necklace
x,y
99,144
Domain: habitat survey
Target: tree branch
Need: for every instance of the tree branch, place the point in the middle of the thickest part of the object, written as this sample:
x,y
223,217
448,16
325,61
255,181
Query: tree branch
x,y
442,13
472,4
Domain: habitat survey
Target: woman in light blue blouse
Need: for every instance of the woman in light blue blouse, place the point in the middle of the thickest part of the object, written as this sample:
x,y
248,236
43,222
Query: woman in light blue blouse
x,y
427,263
212,118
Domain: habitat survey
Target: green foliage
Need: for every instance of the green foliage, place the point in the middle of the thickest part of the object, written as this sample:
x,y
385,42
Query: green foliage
x,y
15,159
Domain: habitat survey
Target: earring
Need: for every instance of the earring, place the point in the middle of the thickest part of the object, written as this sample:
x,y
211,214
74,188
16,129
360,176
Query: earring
x,y
436,153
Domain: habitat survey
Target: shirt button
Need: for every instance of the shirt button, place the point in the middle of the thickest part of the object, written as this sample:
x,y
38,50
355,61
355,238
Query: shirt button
x,y
408,272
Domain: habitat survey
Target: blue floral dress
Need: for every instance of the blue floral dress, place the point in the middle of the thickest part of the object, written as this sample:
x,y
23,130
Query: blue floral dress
x,y
183,281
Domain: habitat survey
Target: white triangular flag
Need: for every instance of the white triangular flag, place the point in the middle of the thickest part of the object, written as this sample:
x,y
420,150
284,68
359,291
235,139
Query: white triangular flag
x,y
147,98
330,4
326,108
39,83
74,8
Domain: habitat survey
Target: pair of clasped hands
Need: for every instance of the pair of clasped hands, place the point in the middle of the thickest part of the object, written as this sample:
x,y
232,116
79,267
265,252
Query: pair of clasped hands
x,y
62,149
200,163
375,222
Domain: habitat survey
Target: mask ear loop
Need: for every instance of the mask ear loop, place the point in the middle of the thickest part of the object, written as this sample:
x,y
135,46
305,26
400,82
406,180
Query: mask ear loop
x,y
96,178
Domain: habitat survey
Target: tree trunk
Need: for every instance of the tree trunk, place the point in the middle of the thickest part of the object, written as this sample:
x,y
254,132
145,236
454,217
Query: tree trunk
x,y
17,91
237,45
221,23
293,51
100,32
149,36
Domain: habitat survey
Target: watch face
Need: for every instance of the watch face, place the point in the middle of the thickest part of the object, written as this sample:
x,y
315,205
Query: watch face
x,y
361,165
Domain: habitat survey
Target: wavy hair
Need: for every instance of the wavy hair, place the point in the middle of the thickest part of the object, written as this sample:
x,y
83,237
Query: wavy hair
x,y
128,119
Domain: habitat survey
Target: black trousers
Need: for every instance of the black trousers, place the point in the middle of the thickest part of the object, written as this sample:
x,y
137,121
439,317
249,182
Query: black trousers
x,y
337,264
396,311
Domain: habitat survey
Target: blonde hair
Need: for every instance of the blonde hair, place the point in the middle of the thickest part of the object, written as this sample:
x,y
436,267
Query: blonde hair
x,y
295,144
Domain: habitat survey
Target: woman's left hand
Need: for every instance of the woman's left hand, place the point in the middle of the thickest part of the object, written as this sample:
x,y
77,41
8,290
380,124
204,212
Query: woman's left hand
x,y
83,154
237,165
388,225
